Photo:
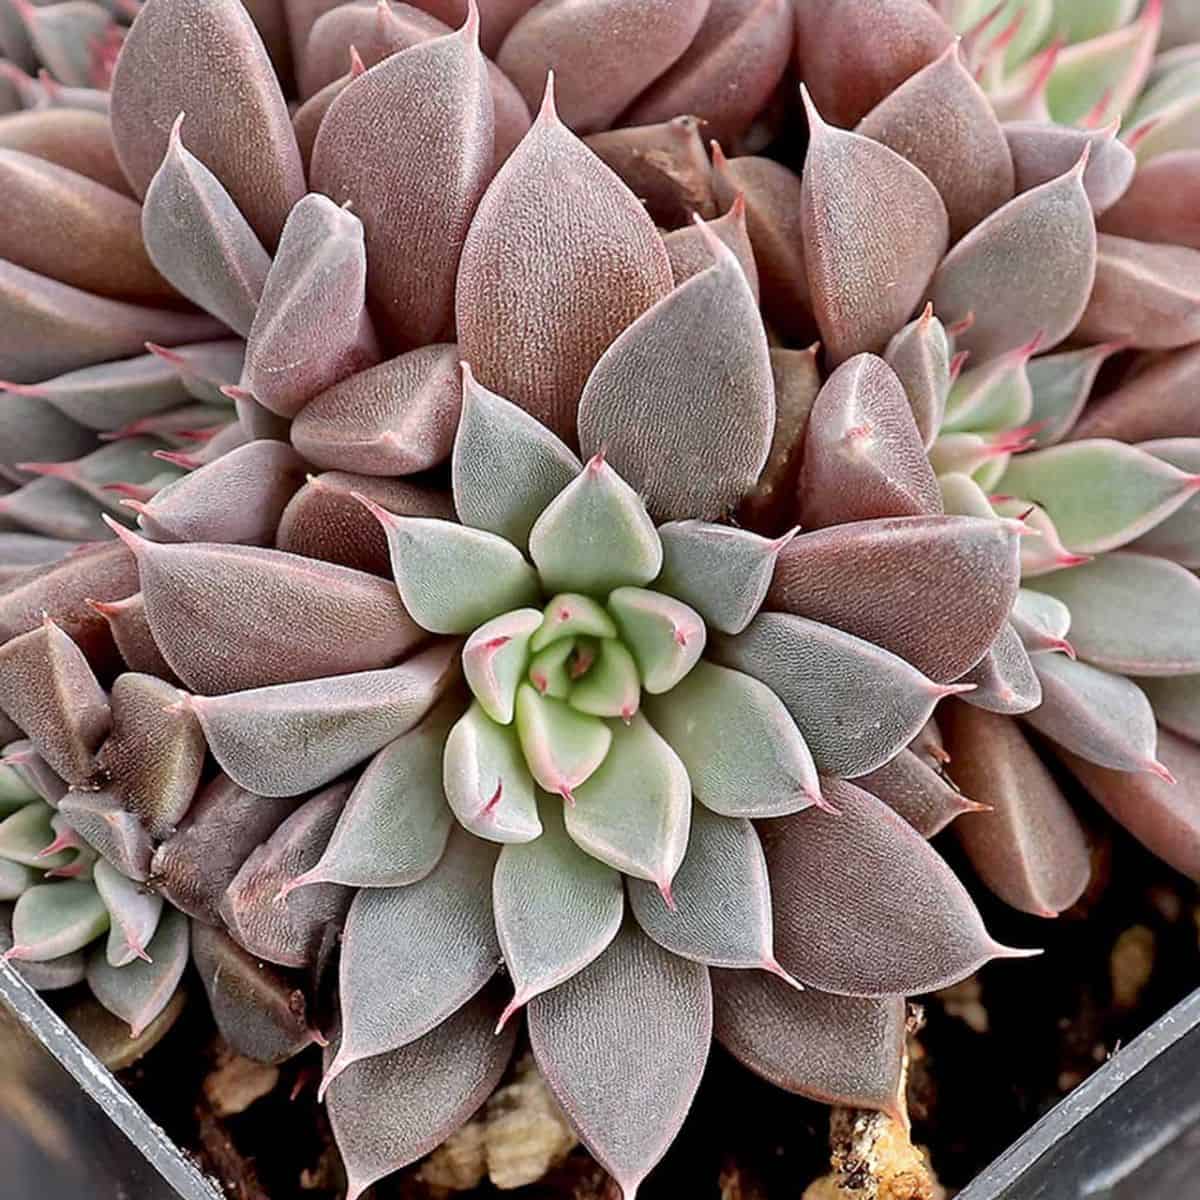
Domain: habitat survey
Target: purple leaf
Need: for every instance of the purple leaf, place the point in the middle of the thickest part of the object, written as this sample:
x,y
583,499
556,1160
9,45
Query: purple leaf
x,y
154,756
728,72
834,1049
606,52
1054,227
625,1083
412,956
540,298
68,137
874,230
311,329
939,559
1031,849
925,798
1005,681
853,53
68,227
389,1110
940,121
229,618
291,738
258,1008
417,178
326,520
1041,151
205,58
1160,814
397,418
262,913
864,456
1150,404
131,631
119,836
1156,208
690,373
865,906
687,248
47,687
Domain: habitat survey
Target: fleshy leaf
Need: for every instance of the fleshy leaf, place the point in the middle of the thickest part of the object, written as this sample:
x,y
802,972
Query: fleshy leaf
x,y
1030,849
411,956
920,356
690,253
506,466
417,177
1042,621
1146,296
562,747
133,911
611,687
1054,227
155,754
389,1110
1103,718
206,59
52,919
291,738
1100,494
1153,404
26,834
1131,613
592,1029
728,72
903,921
487,782
494,658
872,253
1159,813
665,636
657,414
1041,151
595,535
75,138
719,570
721,911
238,498
635,811
833,1049
556,906
607,52
540,298
138,992
940,121
665,166
853,53
264,914
1178,537
200,241
1061,385
569,615
395,824
1155,208
453,578
259,1008
233,617
393,419
70,228
104,824
1004,679
325,520
47,327
995,396
924,797
48,688
195,865
311,329
864,456
131,631
15,878
772,196
856,705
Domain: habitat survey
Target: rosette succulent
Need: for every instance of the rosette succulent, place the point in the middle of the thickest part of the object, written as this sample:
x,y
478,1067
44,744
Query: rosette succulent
x,y
402,580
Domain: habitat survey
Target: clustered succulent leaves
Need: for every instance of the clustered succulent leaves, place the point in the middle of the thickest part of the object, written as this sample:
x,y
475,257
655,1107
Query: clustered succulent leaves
x,y
507,564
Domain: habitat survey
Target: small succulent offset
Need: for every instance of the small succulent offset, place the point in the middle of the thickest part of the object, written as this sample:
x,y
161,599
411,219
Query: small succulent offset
x,y
614,727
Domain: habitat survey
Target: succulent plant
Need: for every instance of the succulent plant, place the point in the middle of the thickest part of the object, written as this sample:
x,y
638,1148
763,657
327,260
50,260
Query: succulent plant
x,y
442,607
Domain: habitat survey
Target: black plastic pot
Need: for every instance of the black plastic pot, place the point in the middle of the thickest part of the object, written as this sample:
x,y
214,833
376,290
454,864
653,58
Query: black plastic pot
x,y
69,1129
